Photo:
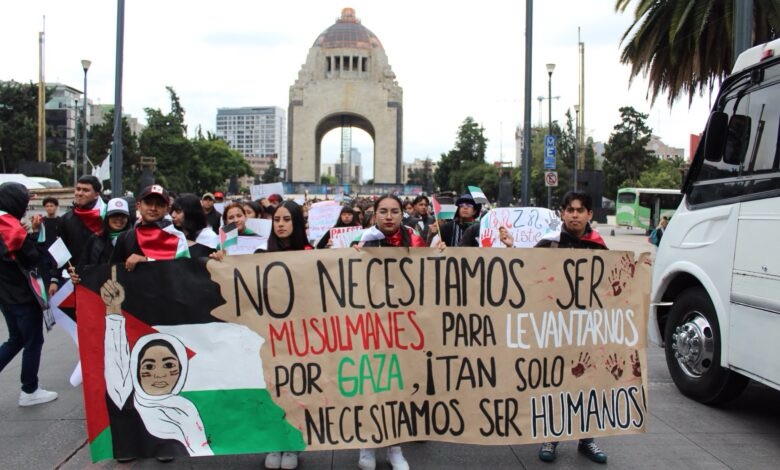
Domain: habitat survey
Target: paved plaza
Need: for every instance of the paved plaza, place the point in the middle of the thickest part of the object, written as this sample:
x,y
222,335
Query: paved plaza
x,y
682,434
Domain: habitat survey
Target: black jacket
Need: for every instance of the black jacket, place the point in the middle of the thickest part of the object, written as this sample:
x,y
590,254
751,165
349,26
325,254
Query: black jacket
x,y
214,219
75,235
14,286
590,239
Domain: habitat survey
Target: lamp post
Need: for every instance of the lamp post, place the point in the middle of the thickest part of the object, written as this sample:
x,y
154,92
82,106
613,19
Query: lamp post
x,y
576,143
550,68
85,65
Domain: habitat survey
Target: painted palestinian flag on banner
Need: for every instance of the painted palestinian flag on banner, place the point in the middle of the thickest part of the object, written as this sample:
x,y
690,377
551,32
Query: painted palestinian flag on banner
x,y
443,211
162,243
12,234
478,195
163,377
92,218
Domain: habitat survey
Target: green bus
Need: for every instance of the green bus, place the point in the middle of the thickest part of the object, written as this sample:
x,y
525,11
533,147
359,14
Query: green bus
x,y
644,207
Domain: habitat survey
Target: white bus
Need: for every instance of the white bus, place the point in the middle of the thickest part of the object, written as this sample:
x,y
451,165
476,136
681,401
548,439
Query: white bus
x,y
715,303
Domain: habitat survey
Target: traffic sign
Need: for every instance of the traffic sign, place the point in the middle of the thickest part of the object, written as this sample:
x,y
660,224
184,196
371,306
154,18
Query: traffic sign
x,y
549,141
551,178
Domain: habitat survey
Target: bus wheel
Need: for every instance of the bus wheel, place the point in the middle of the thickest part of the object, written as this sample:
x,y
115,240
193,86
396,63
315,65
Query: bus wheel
x,y
693,345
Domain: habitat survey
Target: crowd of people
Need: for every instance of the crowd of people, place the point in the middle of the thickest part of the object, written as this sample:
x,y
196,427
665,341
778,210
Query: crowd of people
x,y
129,232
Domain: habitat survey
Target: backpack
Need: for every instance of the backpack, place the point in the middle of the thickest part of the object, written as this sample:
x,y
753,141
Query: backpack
x,y
653,238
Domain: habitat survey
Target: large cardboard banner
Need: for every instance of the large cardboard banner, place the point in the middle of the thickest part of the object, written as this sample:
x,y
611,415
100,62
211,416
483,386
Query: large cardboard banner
x,y
334,349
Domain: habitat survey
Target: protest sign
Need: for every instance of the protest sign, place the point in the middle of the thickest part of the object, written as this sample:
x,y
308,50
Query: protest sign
x,y
322,216
527,225
259,191
343,349
342,237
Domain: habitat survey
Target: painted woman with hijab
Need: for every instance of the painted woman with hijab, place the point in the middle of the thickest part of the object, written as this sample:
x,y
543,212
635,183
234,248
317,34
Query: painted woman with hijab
x,y
144,383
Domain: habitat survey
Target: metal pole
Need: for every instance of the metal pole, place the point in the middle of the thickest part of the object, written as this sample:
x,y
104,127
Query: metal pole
x,y
549,121
743,21
116,153
76,142
85,64
529,23
576,143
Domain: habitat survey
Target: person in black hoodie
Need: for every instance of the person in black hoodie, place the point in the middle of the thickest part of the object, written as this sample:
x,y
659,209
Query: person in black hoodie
x,y
84,219
576,232
23,315
453,230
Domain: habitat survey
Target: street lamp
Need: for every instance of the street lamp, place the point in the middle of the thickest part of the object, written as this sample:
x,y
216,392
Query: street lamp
x,y
550,68
576,143
85,65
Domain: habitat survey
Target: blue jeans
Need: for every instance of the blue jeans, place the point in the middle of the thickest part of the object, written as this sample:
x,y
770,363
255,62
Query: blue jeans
x,y
25,331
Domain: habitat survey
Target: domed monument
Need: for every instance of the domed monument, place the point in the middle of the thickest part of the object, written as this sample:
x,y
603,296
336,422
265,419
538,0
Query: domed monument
x,y
346,82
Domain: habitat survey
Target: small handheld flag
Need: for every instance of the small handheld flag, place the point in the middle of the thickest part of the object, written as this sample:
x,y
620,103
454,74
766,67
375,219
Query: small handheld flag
x,y
60,252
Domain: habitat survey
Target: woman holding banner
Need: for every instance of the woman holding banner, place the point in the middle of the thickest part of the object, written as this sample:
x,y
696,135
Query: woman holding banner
x,y
288,233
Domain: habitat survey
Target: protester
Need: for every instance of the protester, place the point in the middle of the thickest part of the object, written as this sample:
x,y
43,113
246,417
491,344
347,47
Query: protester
x,y
234,214
253,210
50,223
150,241
274,200
84,219
422,216
19,254
212,216
452,230
287,234
346,219
99,248
388,232
188,216
576,232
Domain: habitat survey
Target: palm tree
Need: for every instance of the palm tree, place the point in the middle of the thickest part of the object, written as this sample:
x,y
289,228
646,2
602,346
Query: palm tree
x,y
685,46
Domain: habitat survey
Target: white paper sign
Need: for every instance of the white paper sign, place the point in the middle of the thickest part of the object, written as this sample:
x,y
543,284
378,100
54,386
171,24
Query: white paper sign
x,y
322,217
527,225
259,191
342,237
60,252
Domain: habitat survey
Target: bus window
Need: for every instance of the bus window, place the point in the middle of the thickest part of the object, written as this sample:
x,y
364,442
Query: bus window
x,y
626,198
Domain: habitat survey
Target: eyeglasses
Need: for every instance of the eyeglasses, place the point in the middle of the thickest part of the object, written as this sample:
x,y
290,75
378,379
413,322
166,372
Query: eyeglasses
x,y
466,204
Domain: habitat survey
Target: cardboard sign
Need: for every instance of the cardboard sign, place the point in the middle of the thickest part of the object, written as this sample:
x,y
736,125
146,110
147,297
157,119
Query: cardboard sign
x,y
330,349
259,191
342,237
527,225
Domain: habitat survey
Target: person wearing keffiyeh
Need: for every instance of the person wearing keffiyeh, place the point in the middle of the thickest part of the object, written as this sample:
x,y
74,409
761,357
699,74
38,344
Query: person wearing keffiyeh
x,y
154,238
20,308
85,217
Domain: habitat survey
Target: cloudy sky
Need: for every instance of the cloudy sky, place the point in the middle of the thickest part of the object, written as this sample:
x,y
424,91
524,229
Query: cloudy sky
x,y
452,59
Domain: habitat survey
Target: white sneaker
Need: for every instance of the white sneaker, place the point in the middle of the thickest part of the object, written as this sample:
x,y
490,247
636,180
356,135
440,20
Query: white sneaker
x,y
289,460
273,460
367,459
396,458
37,397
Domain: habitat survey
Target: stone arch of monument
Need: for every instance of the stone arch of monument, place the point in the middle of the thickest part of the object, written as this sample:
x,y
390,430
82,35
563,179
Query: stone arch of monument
x,y
346,79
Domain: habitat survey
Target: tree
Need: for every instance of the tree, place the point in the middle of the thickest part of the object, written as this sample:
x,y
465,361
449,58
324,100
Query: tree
x,y
272,174
470,146
101,142
165,139
625,155
684,46
213,162
330,180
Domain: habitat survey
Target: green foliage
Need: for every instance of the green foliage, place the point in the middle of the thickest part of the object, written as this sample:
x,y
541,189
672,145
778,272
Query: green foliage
x,y
625,156
663,174
467,154
564,163
272,174
329,180
684,46
213,162
101,138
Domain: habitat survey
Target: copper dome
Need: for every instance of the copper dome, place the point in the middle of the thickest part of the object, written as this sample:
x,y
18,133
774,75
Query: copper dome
x,y
347,33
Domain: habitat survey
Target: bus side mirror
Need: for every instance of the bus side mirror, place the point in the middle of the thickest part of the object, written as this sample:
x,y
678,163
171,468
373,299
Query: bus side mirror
x,y
715,136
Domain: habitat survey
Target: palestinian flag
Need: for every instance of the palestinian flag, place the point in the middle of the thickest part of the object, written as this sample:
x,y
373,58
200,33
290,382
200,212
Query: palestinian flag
x,y
63,307
443,211
228,236
162,376
162,241
12,234
42,233
368,235
92,218
207,237
478,195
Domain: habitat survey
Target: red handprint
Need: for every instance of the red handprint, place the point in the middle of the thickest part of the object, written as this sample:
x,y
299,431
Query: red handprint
x,y
615,280
614,366
636,367
583,363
